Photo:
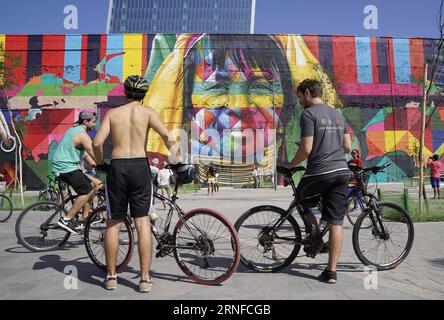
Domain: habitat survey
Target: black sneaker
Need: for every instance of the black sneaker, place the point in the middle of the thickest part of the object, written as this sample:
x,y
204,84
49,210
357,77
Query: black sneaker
x,y
68,225
328,276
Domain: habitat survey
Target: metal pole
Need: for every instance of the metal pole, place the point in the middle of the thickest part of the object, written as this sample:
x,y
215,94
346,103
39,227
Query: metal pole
x,y
421,145
275,140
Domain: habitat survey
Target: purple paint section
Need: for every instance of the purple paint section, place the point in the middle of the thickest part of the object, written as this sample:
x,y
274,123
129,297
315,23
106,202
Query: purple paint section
x,y
34,59
383,67
326,55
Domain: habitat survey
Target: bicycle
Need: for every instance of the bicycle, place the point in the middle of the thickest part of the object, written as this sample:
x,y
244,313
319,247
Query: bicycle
x,y
51,193
36,227
271,237
357,189
5,208
203,242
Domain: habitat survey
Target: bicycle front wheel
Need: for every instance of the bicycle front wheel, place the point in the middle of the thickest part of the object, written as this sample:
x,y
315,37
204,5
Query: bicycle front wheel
x,y
5,208
354,210
266,248
49,195
206,246
95,229
389,240
36,227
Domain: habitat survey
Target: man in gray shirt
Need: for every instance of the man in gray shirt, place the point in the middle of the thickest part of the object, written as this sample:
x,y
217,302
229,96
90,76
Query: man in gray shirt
x,y
324,141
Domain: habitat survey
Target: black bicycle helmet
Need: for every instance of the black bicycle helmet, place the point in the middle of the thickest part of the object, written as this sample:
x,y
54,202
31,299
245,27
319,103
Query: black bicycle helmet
x,y
185,173
136,87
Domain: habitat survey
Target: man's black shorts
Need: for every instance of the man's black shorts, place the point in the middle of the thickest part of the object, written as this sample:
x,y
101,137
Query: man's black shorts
x,y
78,181
129,182
332,187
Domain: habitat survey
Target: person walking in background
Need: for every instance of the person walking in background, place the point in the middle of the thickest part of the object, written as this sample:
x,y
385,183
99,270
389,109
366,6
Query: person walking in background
x,y
211,178
154,173
255,177
435,173
163,181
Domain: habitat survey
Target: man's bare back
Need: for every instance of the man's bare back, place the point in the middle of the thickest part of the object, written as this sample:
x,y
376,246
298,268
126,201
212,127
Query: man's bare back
x,y
129,126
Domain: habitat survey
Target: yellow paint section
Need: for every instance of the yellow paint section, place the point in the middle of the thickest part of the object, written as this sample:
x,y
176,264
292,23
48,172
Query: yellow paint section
x,y
132,59
392,140
237,101
414,144
2,46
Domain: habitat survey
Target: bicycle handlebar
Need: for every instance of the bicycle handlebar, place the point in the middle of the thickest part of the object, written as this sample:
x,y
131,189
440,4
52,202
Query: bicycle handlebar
x,y
377,169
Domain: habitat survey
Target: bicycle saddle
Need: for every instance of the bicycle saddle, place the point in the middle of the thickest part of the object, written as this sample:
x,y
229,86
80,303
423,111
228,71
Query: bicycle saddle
x,y
289,171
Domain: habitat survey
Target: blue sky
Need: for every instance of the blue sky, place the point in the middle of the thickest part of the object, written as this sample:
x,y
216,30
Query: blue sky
x,y
395,17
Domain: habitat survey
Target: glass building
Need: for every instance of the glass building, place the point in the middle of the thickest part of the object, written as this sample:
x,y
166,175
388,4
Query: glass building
x,y
177,16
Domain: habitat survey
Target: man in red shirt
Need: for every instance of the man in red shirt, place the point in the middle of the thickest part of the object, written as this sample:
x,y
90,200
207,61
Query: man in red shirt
x,y
435,172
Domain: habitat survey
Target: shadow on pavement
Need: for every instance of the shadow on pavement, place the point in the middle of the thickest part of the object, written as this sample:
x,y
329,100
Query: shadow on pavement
x,y
295,269
68,245
87,271
437,262
171,277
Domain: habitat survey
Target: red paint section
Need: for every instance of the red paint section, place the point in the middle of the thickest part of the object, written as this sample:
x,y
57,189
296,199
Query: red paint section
x,y
144,54
102,73
17,46
84,61
312,44
344,56
417,58
391,61
374,54
53,55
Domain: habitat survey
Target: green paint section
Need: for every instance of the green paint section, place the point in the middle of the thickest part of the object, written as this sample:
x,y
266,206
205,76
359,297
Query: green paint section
x,y
218,88
379,117
55,90
162,46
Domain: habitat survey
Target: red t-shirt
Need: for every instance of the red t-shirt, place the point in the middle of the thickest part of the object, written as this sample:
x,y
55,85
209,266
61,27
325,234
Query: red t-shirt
x,y
357,162
435,169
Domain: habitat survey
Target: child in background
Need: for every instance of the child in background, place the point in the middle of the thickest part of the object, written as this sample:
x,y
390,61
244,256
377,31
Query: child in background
x,y
435,173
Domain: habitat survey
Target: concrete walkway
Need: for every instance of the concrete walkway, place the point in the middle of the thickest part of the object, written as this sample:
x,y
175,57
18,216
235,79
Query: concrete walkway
x,y
26,275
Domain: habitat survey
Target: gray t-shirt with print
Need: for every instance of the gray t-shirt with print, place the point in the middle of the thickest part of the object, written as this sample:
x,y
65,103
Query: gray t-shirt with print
x,y
327,126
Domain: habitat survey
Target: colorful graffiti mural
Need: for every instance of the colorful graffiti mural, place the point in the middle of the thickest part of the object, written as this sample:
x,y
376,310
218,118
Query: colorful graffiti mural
x,y
207,84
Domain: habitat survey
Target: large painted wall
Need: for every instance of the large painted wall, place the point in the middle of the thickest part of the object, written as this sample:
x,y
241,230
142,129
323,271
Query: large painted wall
x,y
210,83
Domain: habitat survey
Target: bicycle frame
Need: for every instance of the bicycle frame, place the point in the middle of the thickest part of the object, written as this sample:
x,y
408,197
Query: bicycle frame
x,y
173,206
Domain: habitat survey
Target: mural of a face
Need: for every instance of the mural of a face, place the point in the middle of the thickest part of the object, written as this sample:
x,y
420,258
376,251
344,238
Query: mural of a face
x,y
226,87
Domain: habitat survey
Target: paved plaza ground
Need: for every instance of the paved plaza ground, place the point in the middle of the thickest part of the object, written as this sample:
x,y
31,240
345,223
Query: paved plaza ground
x,y
26,275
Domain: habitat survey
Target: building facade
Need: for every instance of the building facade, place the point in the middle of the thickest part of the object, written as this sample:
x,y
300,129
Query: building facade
x,y
181,16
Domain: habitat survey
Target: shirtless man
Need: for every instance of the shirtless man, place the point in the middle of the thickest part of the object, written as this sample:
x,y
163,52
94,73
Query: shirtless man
x,y
129,178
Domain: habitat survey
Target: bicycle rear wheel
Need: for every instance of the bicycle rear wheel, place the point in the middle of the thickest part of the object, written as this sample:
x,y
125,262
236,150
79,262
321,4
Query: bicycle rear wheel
x,y
95,228
206,246
36,227
5,208
387,251
267,250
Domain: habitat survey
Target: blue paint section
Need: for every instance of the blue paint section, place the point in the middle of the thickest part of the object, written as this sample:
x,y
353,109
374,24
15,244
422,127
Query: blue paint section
x,y
114,67
364,60
401,52
437,139
73,58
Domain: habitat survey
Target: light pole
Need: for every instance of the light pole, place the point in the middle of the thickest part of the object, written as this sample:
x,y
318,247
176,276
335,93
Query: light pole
x,y
275,140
